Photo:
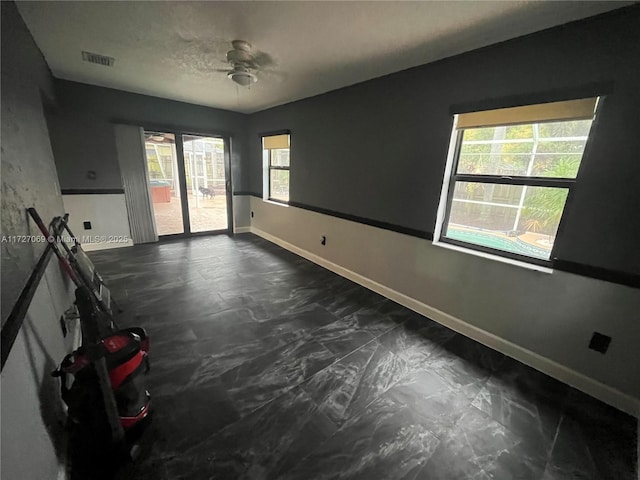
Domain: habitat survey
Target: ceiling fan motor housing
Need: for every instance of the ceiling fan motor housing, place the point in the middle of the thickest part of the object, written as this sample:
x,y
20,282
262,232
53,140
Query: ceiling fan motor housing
x,y
243,62
241,54
242,76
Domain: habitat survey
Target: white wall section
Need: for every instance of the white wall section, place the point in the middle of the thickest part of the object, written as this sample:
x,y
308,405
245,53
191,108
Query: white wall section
x,y
108,216
544,320
241,213
33,415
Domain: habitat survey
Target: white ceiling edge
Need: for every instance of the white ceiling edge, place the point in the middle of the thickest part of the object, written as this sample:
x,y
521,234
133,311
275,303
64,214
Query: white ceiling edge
x,y
168,50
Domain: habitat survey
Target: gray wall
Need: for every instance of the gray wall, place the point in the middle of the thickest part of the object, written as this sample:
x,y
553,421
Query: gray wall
x,y
83,143
28,171
89,112
378,149
32,415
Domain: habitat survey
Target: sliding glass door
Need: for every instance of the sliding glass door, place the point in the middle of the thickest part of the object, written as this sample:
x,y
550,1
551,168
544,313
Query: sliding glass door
x,y
164,182
204,165
188,182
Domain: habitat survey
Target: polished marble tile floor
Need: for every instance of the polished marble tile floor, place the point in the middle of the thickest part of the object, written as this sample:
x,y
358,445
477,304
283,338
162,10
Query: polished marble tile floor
x,y
267,366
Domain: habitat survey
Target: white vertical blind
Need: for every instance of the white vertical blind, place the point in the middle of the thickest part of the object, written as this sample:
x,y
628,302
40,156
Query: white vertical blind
x,y
133,168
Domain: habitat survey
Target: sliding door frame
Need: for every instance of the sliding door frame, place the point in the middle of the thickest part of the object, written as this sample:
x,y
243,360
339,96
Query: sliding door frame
x,y
178,133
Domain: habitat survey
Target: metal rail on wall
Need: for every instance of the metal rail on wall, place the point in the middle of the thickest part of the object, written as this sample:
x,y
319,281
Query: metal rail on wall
x,y
14,322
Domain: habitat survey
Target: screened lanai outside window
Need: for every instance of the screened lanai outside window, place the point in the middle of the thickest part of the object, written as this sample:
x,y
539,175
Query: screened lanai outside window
x,y
512,172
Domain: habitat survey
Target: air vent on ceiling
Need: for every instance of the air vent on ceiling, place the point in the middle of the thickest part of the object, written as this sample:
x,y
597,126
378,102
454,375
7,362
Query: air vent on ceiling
x,y
98,59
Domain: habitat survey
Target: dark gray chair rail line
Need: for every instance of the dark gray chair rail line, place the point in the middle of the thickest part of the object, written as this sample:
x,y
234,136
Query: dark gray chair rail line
x,y
598,273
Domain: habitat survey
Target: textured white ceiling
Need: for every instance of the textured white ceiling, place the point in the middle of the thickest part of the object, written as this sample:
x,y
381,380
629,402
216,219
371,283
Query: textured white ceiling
x,y
171,49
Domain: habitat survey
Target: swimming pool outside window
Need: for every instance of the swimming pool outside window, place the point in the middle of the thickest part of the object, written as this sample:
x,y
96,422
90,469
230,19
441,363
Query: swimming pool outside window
x,y
512,170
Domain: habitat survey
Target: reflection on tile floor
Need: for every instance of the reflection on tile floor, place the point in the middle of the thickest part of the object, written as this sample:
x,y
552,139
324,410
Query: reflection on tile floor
x,y
205,214
266,366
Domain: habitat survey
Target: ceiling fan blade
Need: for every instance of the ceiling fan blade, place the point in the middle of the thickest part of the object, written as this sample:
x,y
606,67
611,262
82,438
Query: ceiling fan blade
x,y
263,59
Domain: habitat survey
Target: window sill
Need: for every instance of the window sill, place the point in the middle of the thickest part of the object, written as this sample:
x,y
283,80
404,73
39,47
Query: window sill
x,y
498,258
275,202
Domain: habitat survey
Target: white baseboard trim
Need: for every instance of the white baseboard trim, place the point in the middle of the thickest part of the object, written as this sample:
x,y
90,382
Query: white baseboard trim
x,y
605,393
242,230
92,247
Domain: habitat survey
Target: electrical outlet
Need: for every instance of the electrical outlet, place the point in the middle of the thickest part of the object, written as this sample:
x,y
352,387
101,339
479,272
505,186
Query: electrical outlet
x,y
599,342
323,240
87,225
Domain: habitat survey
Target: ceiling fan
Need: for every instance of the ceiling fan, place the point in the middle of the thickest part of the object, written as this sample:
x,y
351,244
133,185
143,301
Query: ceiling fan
x,y
244,63
248,64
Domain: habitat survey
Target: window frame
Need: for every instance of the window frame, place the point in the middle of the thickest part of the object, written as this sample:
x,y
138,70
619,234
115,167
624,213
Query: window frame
x,y
452,177
269,167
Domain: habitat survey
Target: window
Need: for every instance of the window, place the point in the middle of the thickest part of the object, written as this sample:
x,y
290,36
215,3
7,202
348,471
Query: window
x,y
275,153
511,172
